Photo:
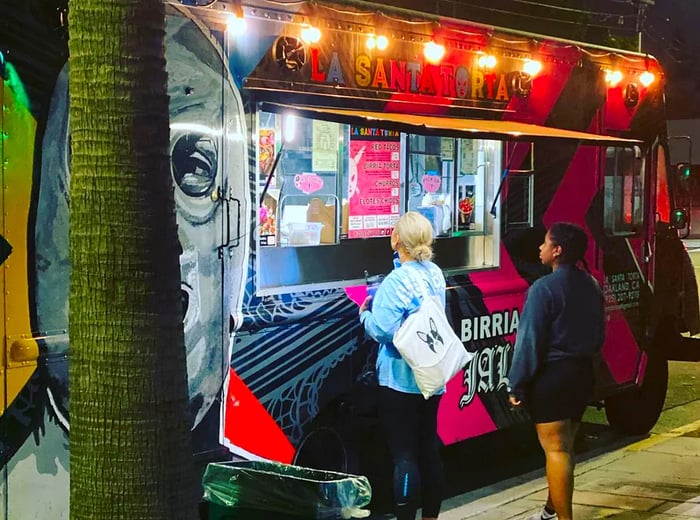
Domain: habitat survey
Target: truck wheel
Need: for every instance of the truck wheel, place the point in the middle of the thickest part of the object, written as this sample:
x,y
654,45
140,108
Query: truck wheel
x,y
635,412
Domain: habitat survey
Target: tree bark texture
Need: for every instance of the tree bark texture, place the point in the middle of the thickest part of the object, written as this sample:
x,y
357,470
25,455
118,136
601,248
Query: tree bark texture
x,y
130,443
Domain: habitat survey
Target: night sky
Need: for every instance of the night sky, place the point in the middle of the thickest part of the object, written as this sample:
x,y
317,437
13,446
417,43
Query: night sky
x,y
671,35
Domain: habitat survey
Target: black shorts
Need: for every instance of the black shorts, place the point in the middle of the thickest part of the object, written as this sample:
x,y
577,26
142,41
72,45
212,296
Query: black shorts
x,y
562,389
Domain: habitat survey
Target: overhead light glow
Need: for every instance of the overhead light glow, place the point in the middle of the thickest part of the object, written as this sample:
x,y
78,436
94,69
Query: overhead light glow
x,y
236,20
197,128
433,52
382,42
646,78
290,126
311,34
487,61
532,67
613,77
236,25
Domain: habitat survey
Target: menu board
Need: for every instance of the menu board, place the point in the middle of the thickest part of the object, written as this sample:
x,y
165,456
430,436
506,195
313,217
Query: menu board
x,y
374,184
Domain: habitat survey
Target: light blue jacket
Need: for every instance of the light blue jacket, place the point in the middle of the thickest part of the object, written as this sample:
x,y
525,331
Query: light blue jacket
x,y
397,297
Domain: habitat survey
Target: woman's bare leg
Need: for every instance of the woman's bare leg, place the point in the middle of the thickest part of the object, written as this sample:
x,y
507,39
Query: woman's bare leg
x,y
557,441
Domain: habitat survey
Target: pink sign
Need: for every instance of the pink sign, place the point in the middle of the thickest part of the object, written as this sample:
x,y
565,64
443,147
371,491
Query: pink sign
x,y
431,183
308,182
373,188
357,293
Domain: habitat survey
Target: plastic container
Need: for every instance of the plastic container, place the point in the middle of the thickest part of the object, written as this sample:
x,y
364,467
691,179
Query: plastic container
x,y
304,233
270,490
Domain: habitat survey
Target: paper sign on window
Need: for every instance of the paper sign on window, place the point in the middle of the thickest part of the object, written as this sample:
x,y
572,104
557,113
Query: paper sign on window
x,y
308,182
324,154
373,185
431,182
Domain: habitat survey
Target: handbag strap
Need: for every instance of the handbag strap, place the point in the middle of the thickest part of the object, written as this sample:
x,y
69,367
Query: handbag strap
x,y
424,286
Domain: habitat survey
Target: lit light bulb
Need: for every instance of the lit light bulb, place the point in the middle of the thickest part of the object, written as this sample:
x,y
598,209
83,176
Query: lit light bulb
x,y
487,61
311,34
646,78
382,42
613,77
532,67
433,52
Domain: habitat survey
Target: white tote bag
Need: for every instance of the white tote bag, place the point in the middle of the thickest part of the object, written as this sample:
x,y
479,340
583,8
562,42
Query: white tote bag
x,y
430,346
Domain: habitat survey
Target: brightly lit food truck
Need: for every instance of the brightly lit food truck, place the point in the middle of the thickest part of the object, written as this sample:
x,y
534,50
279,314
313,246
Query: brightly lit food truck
x,y
298,138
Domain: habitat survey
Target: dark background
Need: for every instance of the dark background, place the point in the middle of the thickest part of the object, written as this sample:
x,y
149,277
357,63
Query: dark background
x,y
668,31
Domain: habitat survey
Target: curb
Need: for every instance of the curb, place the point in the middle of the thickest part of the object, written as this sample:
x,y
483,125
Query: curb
x,y
658,438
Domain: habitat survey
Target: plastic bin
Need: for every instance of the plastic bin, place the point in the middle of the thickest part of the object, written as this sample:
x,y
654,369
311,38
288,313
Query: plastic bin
x,y
272,490
304,233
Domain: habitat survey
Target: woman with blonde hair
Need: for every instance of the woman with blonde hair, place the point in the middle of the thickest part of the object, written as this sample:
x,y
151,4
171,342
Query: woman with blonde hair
x,y
408,420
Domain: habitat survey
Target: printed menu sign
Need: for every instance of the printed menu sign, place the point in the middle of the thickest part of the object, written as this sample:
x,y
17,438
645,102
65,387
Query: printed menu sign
x,y
324,155
373,187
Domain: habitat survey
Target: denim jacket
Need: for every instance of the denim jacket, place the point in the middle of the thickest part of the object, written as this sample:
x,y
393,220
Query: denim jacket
x,y
399,295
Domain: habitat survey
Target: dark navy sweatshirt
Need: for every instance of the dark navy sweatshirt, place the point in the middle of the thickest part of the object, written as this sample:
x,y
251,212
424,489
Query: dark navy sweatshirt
x,y
563,317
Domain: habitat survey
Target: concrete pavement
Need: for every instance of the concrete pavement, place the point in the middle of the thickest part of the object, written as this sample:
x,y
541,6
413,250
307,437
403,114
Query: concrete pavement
x,y
656,478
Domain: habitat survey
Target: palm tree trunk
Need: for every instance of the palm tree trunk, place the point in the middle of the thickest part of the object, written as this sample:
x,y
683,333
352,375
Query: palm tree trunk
x,y
130,445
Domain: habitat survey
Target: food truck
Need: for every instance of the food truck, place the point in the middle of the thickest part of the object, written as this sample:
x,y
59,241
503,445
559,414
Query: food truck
x,y
300,132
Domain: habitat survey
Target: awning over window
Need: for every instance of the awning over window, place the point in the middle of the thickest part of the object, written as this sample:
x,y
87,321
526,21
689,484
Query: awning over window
x,y
447,126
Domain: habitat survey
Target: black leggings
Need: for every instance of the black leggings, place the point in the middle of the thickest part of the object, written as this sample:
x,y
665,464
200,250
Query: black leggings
x,y
410,426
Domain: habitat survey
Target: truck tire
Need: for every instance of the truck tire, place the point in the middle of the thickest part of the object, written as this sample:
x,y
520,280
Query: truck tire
x,y
635,412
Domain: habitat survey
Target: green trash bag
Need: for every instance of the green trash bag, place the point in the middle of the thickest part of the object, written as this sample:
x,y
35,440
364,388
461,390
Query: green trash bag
x,y
289,490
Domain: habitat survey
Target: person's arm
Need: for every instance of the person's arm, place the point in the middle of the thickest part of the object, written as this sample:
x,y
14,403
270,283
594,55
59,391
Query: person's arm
x,y
387,312
532,340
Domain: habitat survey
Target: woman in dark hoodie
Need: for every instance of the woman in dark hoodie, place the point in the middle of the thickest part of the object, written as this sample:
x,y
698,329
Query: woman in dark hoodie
x,y
561,329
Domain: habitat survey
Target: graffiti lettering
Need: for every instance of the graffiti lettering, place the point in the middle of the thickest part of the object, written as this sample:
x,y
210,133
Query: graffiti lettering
x,y
486,372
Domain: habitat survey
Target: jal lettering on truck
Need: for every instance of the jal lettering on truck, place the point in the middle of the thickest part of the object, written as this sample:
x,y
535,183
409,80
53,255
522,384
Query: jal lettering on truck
x,y
487,370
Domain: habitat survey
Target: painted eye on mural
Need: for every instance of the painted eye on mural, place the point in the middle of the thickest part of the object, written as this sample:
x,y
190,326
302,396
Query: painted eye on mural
x,y
289,53
194,163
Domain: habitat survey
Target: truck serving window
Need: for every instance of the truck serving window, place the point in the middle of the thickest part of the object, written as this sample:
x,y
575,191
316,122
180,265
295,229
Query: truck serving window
x,y
329,194
623,211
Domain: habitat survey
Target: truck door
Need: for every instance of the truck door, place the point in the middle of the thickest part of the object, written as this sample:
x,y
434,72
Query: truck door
x,y
208,165
625,256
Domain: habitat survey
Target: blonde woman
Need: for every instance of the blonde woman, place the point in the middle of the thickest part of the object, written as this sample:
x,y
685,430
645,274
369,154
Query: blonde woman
x,y
408,420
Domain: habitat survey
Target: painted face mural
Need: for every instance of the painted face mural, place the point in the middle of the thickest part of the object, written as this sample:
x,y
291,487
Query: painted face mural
x,y
201,119
207,149
201,105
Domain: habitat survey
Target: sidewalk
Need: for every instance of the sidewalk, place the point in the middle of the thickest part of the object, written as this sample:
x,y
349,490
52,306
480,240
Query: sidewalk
x,y
656,478
692,244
